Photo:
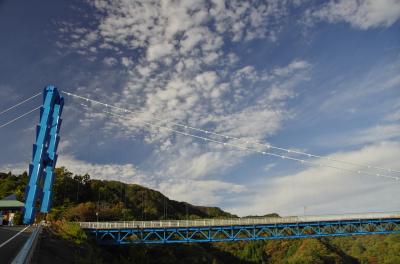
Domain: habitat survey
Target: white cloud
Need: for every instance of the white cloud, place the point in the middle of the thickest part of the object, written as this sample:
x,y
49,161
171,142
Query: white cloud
x,y
109,171
362,14
362,137
207,80
109,61
200,192
269,167
293,66
163,26
377,134
324,190
123,172
179,70
126,172
15,168
394,116
159,50
377,81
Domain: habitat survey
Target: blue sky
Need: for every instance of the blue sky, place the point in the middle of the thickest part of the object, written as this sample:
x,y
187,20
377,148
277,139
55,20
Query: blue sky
x,y
316,76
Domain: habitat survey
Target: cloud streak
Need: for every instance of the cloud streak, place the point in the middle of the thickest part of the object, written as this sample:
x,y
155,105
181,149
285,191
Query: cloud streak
x,y
325,190
364,14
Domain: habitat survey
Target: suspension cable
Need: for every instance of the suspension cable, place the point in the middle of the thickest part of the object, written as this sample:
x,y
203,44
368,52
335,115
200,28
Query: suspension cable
x,y
19,117
268,146
252,150
20,103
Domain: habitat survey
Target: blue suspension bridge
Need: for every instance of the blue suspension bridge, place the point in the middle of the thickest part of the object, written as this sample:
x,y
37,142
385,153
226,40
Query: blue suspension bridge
x,y
41,178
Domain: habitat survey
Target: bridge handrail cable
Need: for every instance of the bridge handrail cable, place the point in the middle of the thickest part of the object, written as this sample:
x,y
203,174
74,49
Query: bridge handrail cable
x,y
19,117
258,151
268,146
20,103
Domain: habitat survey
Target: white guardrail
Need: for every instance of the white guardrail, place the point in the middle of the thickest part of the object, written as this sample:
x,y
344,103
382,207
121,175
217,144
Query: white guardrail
x,y
234,221
26,253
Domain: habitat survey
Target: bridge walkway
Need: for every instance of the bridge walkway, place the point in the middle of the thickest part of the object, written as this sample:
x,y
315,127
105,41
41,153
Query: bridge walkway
x,y
234,229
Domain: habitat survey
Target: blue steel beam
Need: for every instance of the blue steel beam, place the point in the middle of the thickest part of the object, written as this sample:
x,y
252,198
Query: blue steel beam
x,y
42,159
51,156
245,232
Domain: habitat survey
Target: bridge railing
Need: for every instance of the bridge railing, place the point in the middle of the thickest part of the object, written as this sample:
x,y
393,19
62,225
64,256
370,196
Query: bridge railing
x,y
26,253
235,221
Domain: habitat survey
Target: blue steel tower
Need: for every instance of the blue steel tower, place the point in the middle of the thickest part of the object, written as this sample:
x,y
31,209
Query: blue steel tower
x,y
44,157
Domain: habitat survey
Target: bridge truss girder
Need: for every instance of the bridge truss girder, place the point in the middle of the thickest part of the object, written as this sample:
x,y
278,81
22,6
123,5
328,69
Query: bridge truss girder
x,y
245,232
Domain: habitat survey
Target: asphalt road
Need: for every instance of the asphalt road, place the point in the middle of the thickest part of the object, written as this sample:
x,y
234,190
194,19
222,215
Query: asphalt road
x,y
9,250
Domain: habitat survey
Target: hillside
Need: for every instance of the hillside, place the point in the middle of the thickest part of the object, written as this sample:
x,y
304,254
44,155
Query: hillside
x,y
78,197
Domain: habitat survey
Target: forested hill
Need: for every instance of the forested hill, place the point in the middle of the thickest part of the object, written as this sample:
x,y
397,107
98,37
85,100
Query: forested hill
x,y
78,198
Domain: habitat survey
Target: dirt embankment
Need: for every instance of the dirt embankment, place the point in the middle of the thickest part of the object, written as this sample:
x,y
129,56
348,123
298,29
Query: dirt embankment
x,y
53,249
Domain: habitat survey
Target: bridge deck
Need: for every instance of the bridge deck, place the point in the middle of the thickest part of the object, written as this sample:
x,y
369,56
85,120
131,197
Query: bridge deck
x,y
236,221
264,228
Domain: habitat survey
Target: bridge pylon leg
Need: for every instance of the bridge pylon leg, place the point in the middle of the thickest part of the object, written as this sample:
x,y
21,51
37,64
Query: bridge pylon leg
x,y
44,155
52,157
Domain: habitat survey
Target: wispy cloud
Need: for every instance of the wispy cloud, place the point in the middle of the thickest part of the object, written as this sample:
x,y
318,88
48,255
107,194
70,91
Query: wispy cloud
x,y
361,137
325,190
353,92
362,14
376,134
179,69
201,192
109,171
126,172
